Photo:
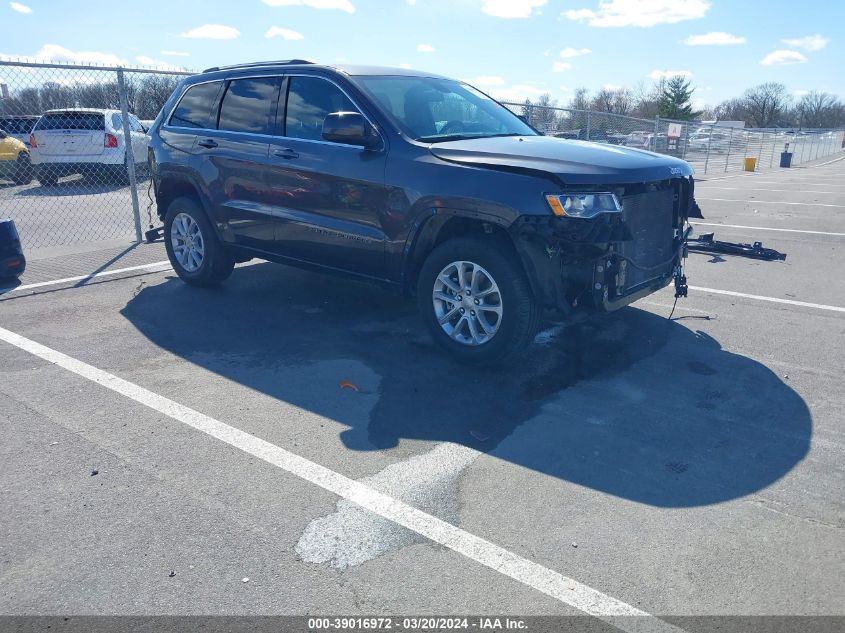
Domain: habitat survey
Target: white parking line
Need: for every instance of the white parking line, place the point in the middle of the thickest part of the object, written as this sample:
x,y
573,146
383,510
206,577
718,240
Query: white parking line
x,y
835,193
765,228
155,267
529,573
792,204
803,304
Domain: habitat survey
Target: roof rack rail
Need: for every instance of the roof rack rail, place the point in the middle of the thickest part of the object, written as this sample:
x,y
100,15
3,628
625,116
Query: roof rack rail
x,y
281,62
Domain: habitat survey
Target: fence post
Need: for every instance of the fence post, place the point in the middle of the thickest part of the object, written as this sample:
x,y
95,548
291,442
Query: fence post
x,y
707,157
730,145
130,155
588,125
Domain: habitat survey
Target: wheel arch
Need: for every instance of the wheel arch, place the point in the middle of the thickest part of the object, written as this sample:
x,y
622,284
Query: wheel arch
x,y
440,226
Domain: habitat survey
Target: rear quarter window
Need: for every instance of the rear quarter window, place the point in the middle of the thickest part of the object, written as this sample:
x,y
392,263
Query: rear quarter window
x,y
71,121
194,109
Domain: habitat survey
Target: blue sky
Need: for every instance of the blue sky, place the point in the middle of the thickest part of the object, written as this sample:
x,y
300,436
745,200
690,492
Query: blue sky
x,y
511,48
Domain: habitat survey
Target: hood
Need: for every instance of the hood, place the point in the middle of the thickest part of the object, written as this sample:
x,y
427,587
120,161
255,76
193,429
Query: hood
x,y
573,162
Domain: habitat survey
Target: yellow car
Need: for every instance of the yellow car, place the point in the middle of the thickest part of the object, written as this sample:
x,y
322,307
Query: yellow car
x,y
14,160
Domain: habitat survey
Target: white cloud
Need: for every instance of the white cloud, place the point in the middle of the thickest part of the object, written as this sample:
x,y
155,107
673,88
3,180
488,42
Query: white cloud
x,y
511,8
559,67
657,75
567,53
145,60
20,8
56,53
486,81
643,13
809,43
213,32
425,48
715,38
783,58
405,66
340,5
286,34
519,92
174,53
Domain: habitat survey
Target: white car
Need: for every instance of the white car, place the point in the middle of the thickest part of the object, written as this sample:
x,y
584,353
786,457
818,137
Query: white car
x,y
85,141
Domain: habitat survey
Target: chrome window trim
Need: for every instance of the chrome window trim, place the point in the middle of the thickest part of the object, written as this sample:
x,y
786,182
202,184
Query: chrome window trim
x,y
226,80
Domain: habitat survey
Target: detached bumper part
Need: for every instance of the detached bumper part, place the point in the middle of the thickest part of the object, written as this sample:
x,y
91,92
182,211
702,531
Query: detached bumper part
x,y
12,260
706,244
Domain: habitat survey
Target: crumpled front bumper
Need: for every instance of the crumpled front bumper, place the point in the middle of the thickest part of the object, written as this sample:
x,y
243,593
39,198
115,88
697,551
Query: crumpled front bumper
x,y
610,261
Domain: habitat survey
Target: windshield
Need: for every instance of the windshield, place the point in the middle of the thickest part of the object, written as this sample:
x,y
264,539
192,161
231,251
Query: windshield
x,y
430,109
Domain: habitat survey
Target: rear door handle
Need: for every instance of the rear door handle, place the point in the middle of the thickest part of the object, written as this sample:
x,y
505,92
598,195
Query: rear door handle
x,y
285,153
208,143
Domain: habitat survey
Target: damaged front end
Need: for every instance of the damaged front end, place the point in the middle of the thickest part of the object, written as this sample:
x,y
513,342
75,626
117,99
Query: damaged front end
x,y
615,258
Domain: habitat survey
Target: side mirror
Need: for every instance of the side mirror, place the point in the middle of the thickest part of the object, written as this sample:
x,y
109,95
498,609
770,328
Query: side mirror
x,y
350,128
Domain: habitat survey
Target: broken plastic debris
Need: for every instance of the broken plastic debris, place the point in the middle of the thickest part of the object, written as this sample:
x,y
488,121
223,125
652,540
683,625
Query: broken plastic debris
x,y
95,472
171,574
244,579
345,384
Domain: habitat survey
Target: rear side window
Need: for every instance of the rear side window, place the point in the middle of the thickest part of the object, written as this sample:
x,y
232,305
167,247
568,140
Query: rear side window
x,y
71,121
310,99
249,105
194,109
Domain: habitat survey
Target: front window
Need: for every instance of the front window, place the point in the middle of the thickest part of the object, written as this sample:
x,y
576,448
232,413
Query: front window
x,y
432,110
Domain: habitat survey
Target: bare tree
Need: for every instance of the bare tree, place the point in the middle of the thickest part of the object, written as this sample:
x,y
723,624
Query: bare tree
x,y
820,109
766,104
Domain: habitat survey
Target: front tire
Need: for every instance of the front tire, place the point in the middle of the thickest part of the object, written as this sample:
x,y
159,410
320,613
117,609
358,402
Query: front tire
x,y
194,251
476,300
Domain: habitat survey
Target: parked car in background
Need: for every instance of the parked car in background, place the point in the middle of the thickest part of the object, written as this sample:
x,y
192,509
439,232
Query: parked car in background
x,y
15,162
647,140
19,126
715,140
85,141
347,170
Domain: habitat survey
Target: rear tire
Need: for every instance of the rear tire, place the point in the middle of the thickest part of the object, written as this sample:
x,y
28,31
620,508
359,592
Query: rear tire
x,y
192,246
47,177
502,334
23,170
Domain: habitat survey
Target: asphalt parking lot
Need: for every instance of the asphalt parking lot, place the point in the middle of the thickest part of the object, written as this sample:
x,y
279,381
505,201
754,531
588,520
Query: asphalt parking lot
x,y
293,444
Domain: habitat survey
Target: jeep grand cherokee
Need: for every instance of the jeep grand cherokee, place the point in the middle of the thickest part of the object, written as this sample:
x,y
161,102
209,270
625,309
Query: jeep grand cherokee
x,y
417,182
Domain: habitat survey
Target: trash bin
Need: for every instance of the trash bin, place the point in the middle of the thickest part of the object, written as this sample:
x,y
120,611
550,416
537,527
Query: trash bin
x,y
786,159
12,261
750,164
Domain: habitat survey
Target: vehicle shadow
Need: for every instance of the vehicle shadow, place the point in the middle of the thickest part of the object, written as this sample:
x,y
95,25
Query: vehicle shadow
x,y
628,403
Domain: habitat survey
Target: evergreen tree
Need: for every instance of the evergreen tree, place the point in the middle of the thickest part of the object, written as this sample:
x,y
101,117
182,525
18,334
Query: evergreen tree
x,y
676,100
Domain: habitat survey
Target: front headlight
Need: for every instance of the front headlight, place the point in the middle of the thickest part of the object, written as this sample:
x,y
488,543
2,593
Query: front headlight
x,y
583,205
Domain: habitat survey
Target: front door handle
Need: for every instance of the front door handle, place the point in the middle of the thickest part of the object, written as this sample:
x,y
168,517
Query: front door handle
x,y
285,153
208,143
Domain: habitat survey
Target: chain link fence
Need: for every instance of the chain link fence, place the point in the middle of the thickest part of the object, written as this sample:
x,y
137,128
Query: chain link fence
x,y
709,148
73,157
73,146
